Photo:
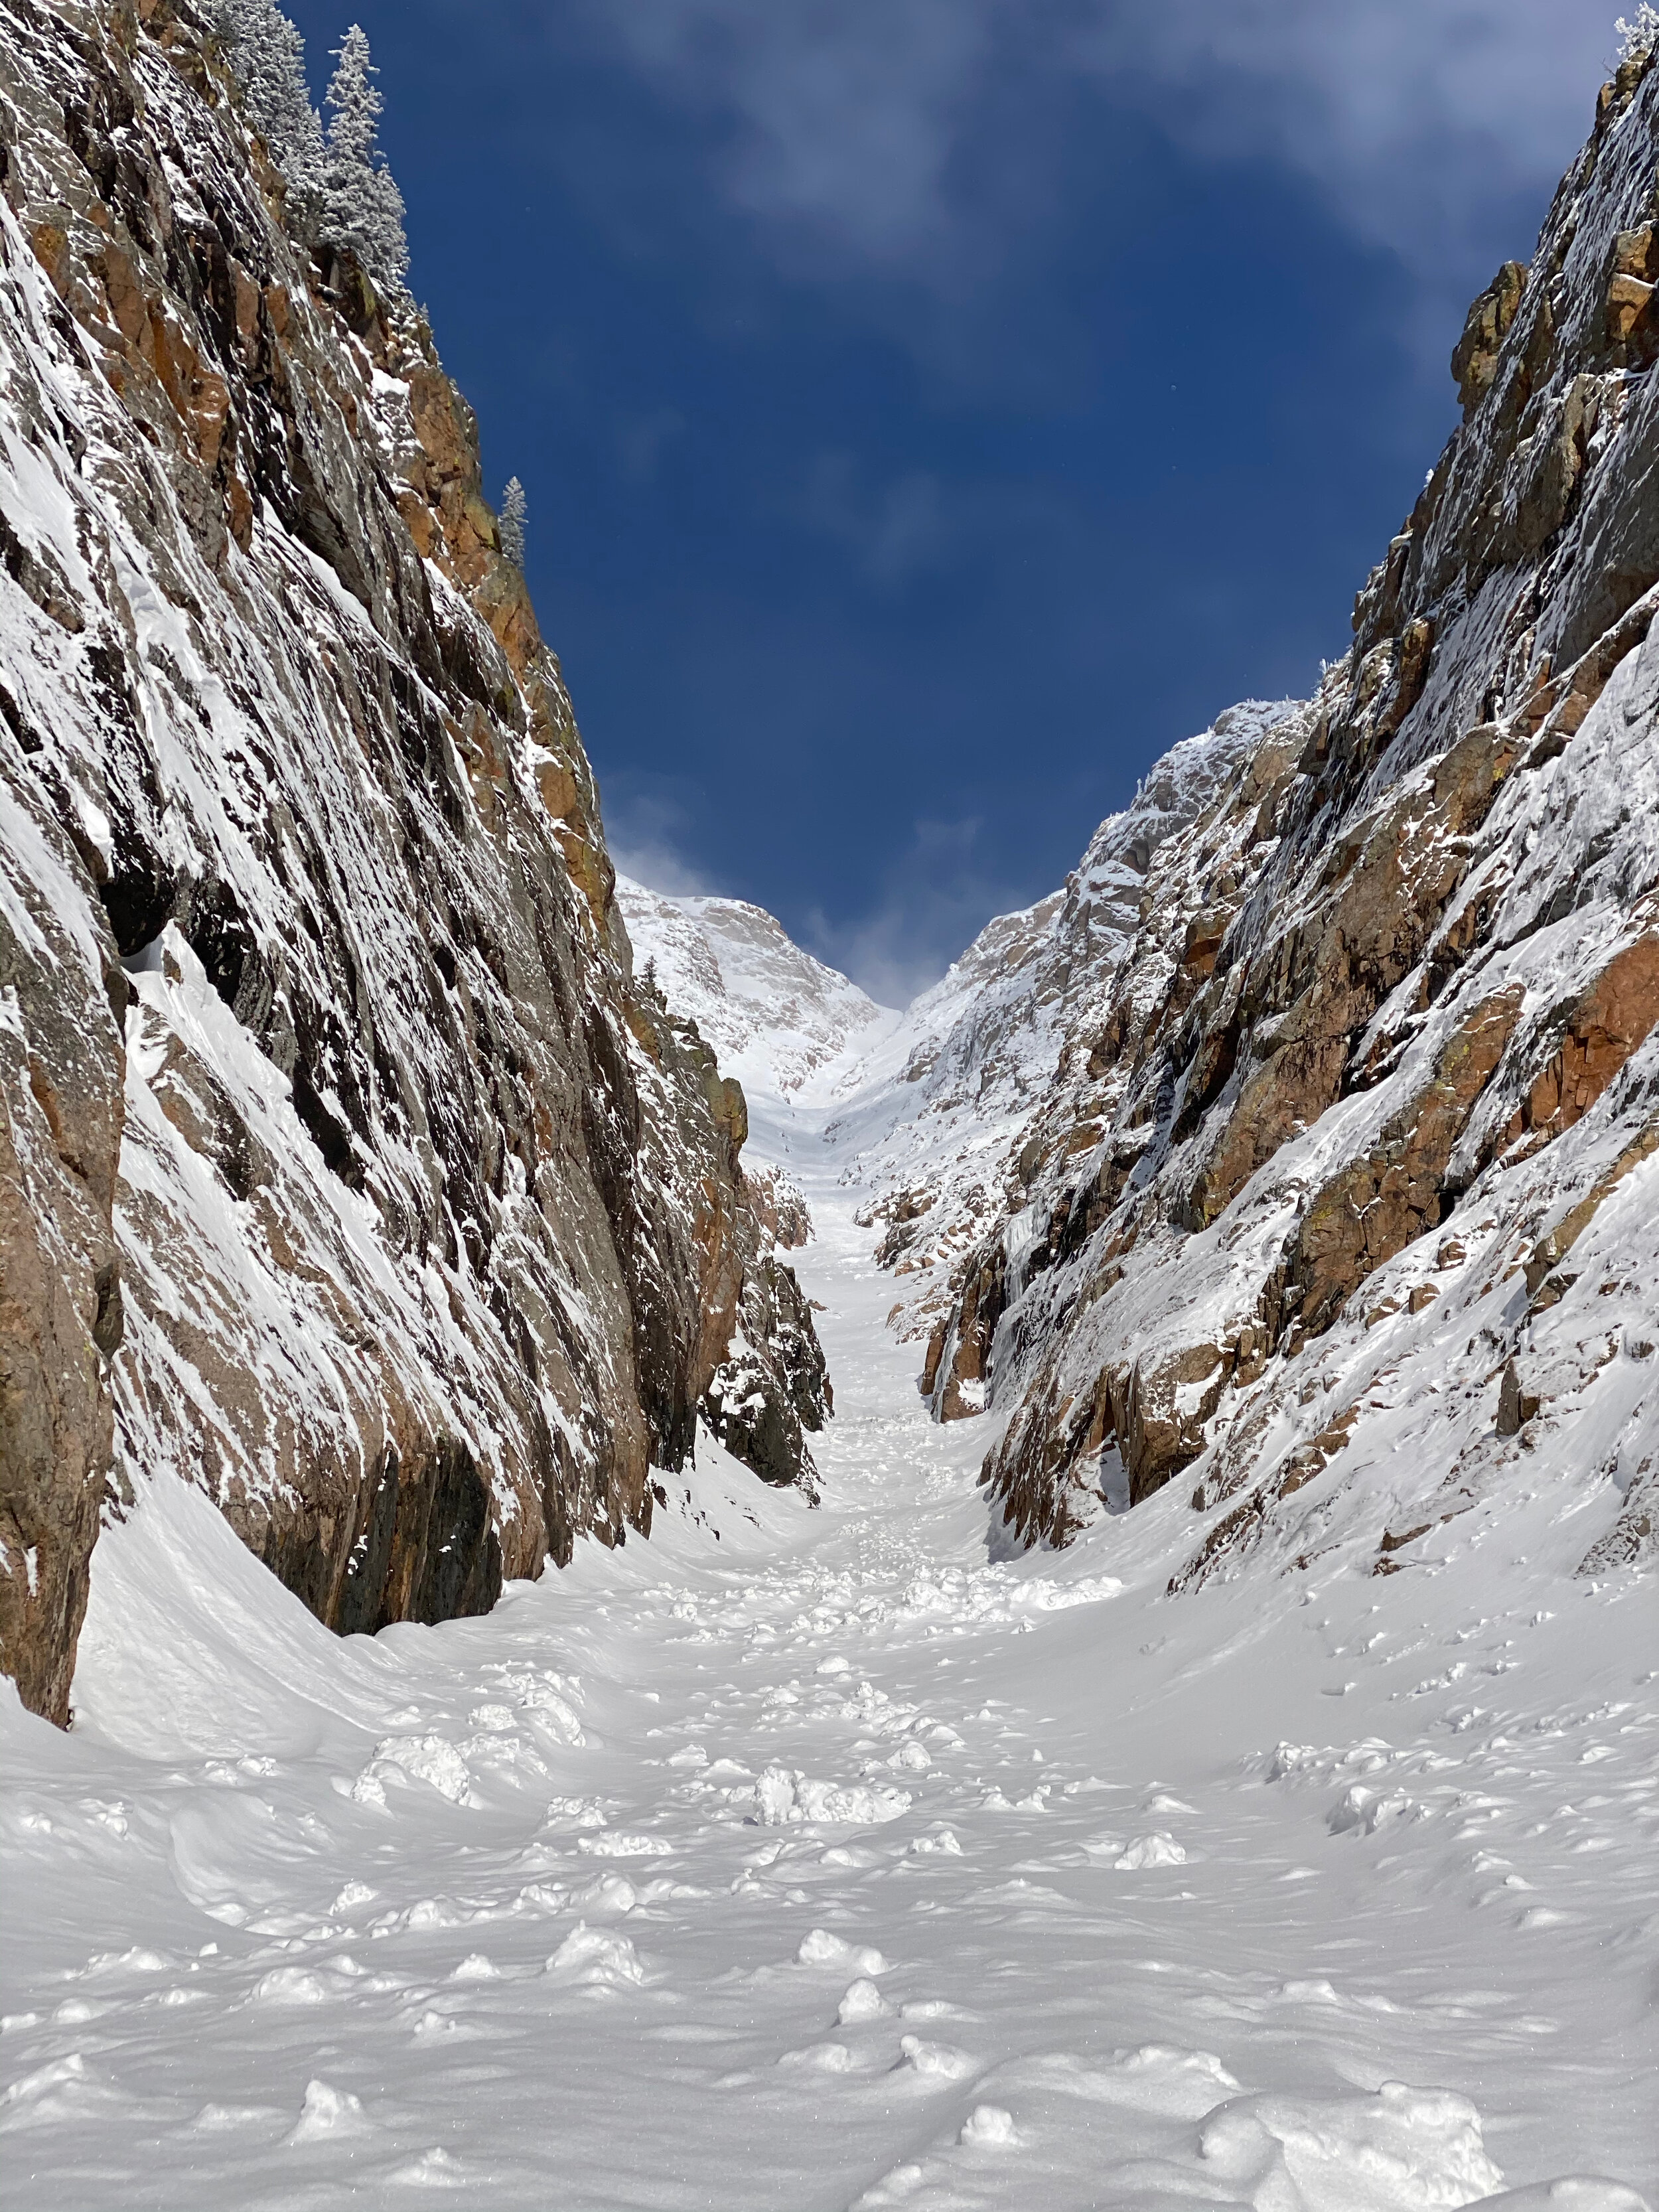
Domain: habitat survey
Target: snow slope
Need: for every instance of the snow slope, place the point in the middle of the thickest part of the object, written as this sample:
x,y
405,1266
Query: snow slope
x,y
827,1861
788,1027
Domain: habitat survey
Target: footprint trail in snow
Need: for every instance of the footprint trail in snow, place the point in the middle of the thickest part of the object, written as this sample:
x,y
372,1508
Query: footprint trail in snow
x,y
827,1861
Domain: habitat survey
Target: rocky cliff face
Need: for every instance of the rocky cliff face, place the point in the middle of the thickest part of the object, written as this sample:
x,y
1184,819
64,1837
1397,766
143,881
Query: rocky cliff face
x,y
1354,1100
946,1126
345,1169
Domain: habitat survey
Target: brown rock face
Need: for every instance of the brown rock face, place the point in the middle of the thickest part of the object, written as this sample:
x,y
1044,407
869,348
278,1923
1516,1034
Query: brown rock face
x,y
345,1169
959,1351
1403,952
1474,357
1393,1194
61,1071
1515,1406
1601,1031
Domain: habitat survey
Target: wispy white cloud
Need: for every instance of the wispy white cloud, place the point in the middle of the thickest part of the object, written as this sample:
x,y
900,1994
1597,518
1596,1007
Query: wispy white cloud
x,y
932,897
934,900
643,440
896,531
912,523
1423,121
849,128
648,834
843,116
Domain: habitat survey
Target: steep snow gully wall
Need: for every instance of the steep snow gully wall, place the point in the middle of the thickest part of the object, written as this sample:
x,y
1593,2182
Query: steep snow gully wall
x,y
1329,1088
345,1167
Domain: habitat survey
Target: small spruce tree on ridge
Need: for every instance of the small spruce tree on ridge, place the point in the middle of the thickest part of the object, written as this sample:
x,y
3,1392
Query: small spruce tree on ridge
x,y
362,209
513,510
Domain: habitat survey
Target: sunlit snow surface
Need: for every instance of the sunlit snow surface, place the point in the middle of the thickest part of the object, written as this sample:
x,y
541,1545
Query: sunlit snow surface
x,y
788,1027
834,1862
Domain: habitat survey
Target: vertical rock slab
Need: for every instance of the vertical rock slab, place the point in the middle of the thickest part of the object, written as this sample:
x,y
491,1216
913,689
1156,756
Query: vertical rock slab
x,y
61,1109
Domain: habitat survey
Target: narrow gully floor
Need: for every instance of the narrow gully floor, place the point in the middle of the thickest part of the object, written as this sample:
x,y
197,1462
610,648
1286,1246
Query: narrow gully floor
x,y
819,1859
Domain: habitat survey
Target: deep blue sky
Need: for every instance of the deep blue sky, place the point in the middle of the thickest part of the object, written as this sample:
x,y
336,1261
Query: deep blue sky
x,y
930,410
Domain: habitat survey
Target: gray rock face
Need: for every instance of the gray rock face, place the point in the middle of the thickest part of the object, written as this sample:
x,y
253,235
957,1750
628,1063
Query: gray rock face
x,y
1398,968
345,1169
60,1296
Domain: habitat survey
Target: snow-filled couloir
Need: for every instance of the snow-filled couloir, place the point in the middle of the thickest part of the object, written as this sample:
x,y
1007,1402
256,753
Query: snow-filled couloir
x,y
820,1857
1199,1748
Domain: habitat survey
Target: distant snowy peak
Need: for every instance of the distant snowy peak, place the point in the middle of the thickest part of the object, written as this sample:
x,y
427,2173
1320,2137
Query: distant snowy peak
x,y
928,1104
1038,957
784,1024
938,1133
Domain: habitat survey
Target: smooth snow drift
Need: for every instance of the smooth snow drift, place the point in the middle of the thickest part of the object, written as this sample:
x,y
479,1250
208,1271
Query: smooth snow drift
x,y
822,1860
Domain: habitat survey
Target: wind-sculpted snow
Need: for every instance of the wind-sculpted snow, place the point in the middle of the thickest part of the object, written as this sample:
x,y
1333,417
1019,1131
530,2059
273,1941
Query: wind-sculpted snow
x,y
344,1172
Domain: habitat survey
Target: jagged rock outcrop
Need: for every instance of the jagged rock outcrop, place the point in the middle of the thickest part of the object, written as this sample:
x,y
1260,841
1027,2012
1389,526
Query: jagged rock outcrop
x,y
782,1211
1397,974
966,1135
345,1169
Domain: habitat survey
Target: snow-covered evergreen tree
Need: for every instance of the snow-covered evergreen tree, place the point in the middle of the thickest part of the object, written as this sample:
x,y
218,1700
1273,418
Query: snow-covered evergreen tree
x,y
1639,34
268,56
362,208
513,510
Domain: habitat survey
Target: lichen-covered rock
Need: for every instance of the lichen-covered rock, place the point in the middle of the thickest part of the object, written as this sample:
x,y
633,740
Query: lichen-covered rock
x,y
347,1170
